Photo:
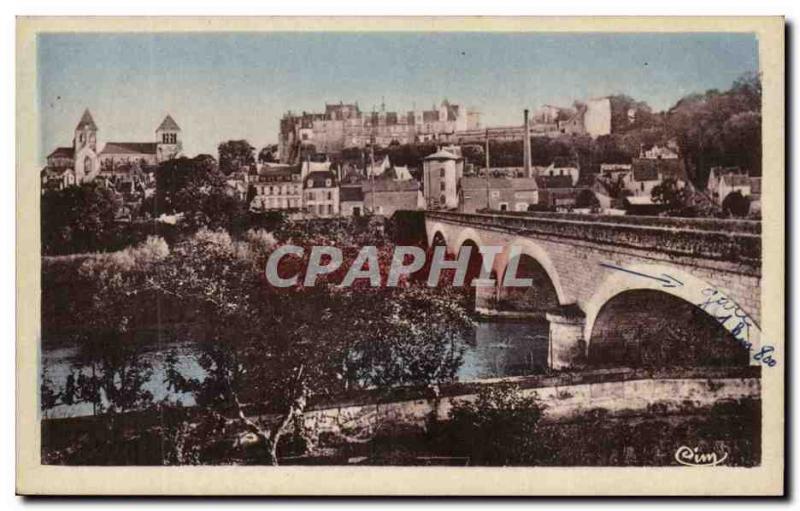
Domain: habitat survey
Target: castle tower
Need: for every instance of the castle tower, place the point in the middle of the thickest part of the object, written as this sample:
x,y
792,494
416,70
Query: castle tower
x,y
85,133
168,139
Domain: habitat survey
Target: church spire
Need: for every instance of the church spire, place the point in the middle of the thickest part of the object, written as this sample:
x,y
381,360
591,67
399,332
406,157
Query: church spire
x,y
86,121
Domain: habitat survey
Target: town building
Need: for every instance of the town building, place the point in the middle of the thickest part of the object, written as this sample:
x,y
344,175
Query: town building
x,y
597,117
563,166
659,152
648,173
276,187
351,200
615,171
442,171
385,196
498,194
321,194
345,125
556,192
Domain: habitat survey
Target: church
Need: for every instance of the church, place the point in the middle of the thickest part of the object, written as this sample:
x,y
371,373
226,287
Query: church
x,y
83,162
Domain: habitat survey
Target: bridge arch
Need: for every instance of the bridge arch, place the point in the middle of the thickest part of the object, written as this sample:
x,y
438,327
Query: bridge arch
x,y
687,289
531,249
468,234
437,229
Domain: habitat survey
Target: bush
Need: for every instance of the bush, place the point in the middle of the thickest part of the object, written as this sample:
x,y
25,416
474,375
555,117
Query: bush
x,y
500,428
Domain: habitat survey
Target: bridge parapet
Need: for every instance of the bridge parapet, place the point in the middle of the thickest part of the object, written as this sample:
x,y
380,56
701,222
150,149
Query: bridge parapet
x,y
726,240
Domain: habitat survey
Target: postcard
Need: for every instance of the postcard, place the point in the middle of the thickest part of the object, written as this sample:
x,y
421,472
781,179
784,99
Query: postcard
x,y
400,256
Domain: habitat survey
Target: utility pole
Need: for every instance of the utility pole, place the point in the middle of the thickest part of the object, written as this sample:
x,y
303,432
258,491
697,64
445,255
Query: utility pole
x,y
526,144
372,172
486,155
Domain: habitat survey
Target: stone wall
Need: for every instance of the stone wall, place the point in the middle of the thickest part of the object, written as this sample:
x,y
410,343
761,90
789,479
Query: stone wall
x,y
360,421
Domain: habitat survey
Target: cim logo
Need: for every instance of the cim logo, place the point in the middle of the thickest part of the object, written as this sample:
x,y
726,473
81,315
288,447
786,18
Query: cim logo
x,y
694,458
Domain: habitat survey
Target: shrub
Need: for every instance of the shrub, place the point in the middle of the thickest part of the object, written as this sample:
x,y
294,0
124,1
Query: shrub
x,y
500,428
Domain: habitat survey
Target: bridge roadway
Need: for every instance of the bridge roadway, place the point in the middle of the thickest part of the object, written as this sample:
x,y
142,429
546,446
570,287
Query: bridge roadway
x,y
591,261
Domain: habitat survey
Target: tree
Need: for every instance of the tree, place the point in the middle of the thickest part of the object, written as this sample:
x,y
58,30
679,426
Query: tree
x,y
586,199
501,427
235,155
197,189
719,128
110,371
265,356
670,195
736,204
267,154
78,218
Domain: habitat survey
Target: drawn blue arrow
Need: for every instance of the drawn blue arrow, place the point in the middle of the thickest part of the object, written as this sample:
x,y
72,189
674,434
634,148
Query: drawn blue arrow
x,y
666,280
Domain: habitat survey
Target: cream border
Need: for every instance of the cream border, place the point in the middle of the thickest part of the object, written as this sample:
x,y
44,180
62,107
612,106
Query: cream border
x,y
33,478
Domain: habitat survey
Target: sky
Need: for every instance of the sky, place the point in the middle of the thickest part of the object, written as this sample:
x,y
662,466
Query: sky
x,y
225,86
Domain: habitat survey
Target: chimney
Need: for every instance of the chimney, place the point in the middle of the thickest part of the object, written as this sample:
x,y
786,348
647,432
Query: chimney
x,y
526,144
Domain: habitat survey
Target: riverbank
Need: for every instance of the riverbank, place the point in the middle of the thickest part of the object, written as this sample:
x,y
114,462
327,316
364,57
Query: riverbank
x,y
685,403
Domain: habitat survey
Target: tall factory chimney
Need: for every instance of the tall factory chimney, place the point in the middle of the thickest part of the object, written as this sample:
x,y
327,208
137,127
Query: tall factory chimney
x,y
526,144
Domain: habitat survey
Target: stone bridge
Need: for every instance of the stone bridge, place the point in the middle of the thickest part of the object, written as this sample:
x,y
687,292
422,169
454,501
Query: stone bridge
x,y
604,283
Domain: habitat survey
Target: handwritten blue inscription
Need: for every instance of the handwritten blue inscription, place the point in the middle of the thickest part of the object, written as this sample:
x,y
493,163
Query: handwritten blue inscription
x,y
725,310
720,307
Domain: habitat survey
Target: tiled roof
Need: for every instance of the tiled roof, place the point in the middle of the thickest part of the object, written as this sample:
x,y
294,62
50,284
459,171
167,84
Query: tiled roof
x,y
351,194
278,170
736,180
318,178
524,183
479,183
129,148
62,152
645,169
168,124
564,162
442,155
389,185
548,182
86,121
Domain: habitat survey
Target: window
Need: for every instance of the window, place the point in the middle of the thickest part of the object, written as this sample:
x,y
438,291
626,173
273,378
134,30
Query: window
x,y
441,173
441,186
503,206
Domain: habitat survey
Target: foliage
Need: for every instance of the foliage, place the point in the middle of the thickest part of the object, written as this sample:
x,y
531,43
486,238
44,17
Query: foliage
x,y
719,128
78,218
501,427
586,199
263,352
668,193
235,156
196,188
267,154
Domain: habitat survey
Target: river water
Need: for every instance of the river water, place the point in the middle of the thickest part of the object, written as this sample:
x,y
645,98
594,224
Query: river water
x,y
495,348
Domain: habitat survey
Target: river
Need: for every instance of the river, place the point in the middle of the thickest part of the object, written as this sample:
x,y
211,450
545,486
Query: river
x,y
495,348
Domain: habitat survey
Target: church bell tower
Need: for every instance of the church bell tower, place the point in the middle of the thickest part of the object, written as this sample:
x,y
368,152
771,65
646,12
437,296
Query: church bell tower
x,y
168,139
85,133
